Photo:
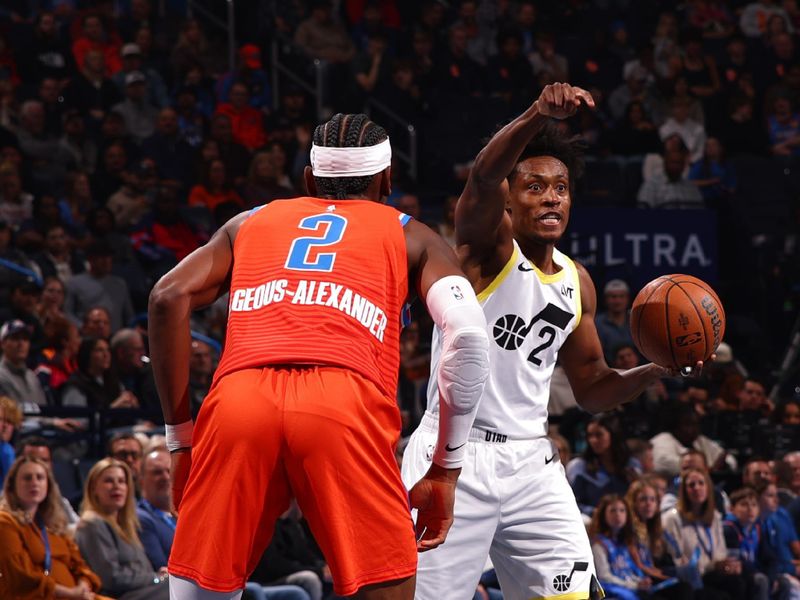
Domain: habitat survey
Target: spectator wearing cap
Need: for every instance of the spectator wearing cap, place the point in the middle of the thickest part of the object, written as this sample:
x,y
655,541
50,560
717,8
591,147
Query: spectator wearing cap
x,y
136,110
613,324
17,381
249,71
132,62
99,287
247,122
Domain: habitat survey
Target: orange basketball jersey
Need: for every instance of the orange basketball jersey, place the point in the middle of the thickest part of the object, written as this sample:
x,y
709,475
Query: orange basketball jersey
x,y
318,282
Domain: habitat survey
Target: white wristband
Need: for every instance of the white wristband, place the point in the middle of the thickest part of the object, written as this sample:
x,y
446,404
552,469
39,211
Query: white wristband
x,y
179,436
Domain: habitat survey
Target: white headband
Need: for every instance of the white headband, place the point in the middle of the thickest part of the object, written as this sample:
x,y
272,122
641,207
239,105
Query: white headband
x,y
330,161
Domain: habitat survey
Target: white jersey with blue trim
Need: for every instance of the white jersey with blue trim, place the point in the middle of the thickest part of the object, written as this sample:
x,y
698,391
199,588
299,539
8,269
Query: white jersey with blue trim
x,y
529,316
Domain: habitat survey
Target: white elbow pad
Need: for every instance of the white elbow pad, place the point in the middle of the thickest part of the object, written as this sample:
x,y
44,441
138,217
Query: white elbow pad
x,y
463,366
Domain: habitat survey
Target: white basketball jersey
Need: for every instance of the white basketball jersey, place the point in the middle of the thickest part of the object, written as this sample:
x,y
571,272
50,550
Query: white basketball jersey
x,y
529,316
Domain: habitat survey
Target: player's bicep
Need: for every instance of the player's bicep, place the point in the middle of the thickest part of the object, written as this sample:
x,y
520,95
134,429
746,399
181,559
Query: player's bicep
x,y
204,275
429,257
581,355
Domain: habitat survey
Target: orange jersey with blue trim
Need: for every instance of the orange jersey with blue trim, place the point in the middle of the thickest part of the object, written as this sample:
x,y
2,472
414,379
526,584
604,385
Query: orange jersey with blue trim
x,y
320,282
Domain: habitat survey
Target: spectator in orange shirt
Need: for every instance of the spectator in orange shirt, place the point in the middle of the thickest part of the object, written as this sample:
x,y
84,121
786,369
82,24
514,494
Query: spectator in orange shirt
x,y
95,38
247,122
215,188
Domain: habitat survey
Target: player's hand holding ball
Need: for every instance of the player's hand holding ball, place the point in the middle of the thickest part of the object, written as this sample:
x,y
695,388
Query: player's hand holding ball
x,y
677,322
561,100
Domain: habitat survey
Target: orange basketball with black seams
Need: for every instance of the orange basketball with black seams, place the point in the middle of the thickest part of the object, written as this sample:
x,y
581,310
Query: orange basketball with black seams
x,y
677,320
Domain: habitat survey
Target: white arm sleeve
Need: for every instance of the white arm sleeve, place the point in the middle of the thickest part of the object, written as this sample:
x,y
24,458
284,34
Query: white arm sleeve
x,y
464,364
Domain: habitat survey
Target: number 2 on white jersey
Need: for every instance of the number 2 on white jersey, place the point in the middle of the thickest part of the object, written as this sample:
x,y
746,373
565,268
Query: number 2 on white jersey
x,y
332,228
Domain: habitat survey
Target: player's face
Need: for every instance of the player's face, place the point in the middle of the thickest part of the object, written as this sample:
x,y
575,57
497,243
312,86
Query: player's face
x,y
746,510
539,200
696,489
616,516
646,503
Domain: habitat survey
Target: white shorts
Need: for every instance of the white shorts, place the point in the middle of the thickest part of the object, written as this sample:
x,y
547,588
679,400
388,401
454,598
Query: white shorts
x,y
513,503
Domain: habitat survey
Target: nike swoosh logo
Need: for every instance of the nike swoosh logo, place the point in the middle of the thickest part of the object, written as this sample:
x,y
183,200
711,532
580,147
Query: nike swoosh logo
x,y
547,461
449,449
524,267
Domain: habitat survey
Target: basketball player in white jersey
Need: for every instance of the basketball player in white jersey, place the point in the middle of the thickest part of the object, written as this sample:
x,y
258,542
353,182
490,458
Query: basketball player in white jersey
x,y
513,502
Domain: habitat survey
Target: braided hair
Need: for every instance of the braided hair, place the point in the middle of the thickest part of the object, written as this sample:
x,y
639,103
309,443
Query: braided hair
x,y
346,131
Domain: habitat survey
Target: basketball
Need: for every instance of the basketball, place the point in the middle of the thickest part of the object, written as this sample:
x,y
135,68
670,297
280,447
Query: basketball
x,y
677,320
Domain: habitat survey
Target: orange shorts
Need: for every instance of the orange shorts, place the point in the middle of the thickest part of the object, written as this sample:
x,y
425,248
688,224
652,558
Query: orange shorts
x,y
321,434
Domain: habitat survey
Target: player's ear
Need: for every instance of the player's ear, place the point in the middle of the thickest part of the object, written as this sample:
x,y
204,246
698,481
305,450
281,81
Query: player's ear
x,y
386,182
311,185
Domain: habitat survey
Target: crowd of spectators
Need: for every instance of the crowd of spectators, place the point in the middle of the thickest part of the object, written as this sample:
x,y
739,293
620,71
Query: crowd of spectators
x,y
126,139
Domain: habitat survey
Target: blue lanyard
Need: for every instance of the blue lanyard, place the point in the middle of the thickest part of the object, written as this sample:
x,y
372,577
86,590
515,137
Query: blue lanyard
x,y
48,558
709,550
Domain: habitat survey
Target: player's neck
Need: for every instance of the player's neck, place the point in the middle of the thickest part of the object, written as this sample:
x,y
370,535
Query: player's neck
x,y
540,255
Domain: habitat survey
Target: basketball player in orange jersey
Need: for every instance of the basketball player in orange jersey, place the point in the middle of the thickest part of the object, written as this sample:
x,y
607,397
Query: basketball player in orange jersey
x,y
513,501
303,402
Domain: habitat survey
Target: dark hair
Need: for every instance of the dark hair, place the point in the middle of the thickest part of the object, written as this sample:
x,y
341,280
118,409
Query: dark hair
x,y
346,131
599,526
85,352
35,441
551,142
619,451
122,436
745,493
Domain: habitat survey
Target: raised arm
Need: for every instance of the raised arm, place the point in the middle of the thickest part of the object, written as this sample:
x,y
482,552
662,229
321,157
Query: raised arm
x,y
479,213
198,280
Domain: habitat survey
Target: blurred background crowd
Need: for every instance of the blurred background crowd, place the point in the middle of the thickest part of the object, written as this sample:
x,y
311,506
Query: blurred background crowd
x,y
131,129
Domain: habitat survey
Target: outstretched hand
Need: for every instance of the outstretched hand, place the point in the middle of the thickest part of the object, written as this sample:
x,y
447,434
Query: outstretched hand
x,y
694,371
434,496
561,100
